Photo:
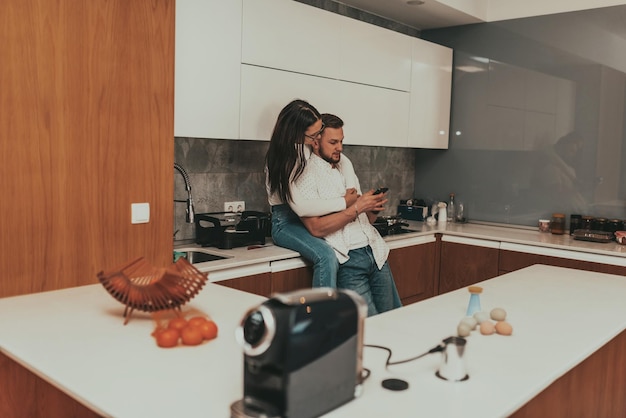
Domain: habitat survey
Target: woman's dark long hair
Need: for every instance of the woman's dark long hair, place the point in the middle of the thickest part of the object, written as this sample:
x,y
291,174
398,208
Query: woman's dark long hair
x,y
283,154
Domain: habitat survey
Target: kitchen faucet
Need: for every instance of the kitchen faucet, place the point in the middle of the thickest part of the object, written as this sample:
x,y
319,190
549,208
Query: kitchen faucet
x,y
189,218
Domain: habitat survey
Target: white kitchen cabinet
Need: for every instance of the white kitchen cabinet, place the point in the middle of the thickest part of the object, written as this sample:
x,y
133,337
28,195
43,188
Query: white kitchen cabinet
x,y
373,55
208,60
288,35
238,63
265,91
292,36
372,115
431,84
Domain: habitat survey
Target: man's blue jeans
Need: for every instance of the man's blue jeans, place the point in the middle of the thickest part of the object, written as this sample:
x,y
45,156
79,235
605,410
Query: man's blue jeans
x,y
289,232
360,273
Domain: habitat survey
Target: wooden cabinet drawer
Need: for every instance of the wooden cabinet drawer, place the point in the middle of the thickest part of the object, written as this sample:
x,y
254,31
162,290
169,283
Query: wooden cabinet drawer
x,y
259,284
414,271
288,280
463,265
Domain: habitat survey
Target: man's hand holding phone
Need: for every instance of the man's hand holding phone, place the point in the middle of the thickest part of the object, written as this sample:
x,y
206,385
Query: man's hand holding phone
x,y
380,190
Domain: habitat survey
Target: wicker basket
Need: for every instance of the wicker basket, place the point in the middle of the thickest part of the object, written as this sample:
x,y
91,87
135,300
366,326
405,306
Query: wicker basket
x,y
139,285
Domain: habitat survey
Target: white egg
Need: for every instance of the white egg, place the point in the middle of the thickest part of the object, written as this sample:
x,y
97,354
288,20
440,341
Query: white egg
x,y
481,316
470,321
498,314
463,330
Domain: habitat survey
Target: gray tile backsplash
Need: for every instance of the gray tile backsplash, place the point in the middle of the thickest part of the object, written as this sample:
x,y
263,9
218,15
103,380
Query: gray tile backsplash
x,y
226,170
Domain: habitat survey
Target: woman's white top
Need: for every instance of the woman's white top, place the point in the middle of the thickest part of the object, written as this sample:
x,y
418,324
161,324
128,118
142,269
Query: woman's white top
x,y
302,206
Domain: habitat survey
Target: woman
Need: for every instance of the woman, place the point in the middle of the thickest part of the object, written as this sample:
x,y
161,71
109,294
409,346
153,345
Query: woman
x,y
298,124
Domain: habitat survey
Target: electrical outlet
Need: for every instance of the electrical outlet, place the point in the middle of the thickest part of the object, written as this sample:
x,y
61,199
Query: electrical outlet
x,y
237,206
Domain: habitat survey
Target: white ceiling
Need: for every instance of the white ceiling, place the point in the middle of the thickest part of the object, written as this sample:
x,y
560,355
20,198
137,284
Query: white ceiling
x,y
430,15
442,13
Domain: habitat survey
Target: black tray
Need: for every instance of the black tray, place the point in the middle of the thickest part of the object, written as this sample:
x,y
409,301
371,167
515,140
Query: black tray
x,y
591,235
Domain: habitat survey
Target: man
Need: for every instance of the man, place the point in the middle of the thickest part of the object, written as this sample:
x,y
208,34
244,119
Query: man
x,y
361,251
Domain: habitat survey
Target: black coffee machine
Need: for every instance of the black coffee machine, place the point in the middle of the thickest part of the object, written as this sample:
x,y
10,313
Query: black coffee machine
x,y
302,353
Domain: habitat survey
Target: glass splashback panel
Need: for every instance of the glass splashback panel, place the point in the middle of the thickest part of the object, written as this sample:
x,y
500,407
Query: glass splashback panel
x,y
538,118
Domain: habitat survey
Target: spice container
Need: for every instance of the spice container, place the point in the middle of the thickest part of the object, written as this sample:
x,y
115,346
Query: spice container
x,y
544,225
599,224
585,222
575,222
557,226
615,225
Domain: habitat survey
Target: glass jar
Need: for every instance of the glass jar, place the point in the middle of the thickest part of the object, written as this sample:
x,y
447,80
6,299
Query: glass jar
x,y
599,224
615,225
557,225
586,222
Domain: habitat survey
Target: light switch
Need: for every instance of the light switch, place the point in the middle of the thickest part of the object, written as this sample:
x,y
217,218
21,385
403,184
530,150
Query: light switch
x,y
140,213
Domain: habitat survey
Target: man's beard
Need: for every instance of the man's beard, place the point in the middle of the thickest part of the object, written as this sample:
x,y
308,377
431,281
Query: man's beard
x,y
330,159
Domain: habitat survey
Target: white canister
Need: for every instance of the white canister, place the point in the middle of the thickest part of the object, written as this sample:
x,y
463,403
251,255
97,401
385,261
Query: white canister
x,y
443,214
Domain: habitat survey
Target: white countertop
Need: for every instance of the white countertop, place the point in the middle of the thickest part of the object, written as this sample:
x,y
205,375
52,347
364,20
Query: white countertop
x,y
551,335
260,259
76,340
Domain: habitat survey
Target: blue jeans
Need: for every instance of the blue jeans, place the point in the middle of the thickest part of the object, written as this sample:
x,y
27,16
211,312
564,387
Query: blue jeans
x,y
289,232
361,274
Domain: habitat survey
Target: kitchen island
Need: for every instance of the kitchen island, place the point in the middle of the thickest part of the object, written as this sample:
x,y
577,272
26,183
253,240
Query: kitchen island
x,y
567,353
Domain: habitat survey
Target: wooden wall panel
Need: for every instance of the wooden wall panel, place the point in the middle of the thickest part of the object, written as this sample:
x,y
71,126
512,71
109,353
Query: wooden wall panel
x,y
86,129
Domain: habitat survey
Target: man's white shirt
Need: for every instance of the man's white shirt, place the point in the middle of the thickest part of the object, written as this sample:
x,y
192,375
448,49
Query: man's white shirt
x,y
320,180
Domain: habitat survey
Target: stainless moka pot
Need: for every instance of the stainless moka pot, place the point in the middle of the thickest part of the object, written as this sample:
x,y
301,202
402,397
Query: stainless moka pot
x,y
452,365
302,353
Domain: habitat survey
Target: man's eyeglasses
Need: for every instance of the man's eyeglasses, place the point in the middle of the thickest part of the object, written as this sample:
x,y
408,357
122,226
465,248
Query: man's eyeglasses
x,y
316,135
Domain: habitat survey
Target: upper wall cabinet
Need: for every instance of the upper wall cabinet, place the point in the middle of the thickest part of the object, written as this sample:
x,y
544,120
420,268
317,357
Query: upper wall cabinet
x,y
431,84
265,91
238,62
372,115
207,75
293,36
372,55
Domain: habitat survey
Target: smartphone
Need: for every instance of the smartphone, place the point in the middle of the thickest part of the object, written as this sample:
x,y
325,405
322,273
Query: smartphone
x,y
379,191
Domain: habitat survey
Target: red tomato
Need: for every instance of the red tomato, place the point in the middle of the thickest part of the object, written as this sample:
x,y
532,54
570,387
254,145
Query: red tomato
x,y
197,321
177,323
191,335
208,330
167,338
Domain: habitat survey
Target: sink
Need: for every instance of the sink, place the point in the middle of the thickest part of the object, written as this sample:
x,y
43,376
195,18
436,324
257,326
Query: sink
x,y
195,256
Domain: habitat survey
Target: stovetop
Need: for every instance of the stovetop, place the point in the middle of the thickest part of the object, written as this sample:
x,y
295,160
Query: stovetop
x,y
394,231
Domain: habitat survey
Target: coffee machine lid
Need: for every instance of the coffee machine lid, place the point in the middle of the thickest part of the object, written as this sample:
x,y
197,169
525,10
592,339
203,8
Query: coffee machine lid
x,y
317,294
